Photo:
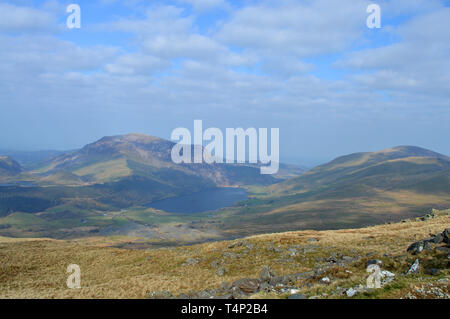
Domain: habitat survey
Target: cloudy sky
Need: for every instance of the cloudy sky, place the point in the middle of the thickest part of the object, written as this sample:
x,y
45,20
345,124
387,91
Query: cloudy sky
x,y
309,67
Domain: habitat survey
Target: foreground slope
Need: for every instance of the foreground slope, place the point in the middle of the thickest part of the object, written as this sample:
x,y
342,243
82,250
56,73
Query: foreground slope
x,y
37,268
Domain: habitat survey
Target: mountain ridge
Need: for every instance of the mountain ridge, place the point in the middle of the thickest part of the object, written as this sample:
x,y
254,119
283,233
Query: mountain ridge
x,y
133,152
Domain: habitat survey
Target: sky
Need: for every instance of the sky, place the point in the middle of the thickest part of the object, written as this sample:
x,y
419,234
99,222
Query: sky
x,y
311,68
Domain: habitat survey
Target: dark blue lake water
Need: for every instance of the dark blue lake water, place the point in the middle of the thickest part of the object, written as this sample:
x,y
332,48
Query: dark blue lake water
x,y
208,200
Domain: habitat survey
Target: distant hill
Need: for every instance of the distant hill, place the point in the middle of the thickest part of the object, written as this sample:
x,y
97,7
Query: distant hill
x,y
9,167
30,159
401,167
116,157
353,190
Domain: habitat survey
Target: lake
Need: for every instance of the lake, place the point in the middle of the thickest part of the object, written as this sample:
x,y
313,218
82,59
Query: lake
x,y
207,200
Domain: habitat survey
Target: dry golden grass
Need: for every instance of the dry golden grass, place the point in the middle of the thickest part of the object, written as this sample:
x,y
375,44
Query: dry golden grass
x,y
36,268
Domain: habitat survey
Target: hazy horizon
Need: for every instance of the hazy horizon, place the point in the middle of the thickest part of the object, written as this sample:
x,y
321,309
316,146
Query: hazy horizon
x,y
313,69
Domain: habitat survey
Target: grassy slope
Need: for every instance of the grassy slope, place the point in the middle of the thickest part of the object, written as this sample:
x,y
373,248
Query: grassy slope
x,y
37,268
352,191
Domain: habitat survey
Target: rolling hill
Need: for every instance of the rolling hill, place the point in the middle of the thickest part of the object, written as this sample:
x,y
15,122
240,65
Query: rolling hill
x,y
354,190
403,167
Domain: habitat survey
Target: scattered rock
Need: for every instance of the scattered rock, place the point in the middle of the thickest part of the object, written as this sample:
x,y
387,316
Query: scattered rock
x,y
301,275
190,261
224,287
310,248
221,271
235,244
387,273
292,252
247,286
414,269
387,277
325,280
446,235
427,246
267,275
437,239
374,262
230,255
264,286
415,248
274,249
351,292
249,245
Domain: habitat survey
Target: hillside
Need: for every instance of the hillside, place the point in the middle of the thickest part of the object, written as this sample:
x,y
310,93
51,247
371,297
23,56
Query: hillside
x,y
9,167
403,167
300,264
354,190
115,157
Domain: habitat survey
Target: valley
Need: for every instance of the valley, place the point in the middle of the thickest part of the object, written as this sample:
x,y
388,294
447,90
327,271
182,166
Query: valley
x,y
127,186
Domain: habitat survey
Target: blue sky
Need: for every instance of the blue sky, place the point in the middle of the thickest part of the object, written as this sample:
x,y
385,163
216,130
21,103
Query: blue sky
x,y
311,68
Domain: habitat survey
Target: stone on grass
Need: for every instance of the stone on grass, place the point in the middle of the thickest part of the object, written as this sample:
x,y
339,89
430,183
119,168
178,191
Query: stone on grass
x,y
415,248
267,274
247,285
414,269
351,292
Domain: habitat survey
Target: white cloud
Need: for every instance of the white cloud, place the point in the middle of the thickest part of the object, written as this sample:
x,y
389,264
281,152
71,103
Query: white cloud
x,y
413,64
206,5
296,28
24,19
257,67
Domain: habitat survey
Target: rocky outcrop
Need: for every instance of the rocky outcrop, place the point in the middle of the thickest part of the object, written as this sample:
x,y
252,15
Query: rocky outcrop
x,y
427,244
